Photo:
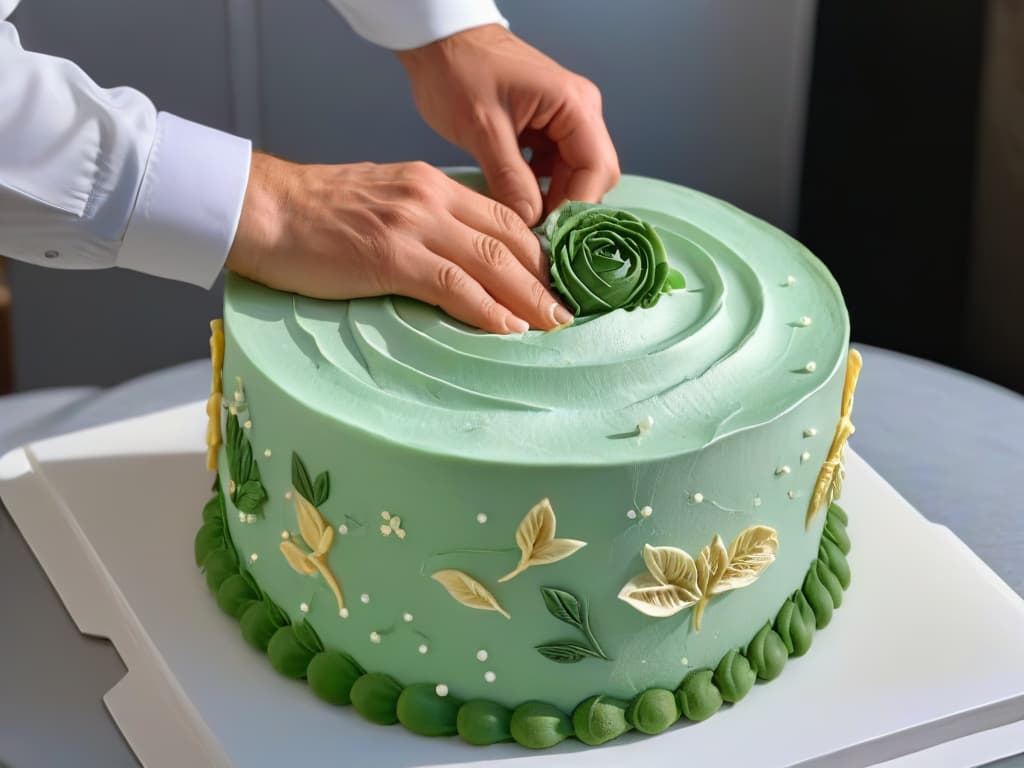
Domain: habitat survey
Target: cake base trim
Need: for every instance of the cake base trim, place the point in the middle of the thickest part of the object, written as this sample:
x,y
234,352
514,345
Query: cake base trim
x,y
295,650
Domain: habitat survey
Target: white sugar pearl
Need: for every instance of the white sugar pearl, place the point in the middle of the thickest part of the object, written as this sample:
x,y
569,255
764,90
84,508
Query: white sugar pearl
x,y
757,501
804,321
490,677
285,535
790,280
342,529
783,470
423,649
250,518
304,607
698,498
631,514
481,655
811,367
375,637
364,598
267,453
288,495
406,617
343,613
254,557
805,456
441,689
646,512
248,424
645,425
481,518
791,494
810,432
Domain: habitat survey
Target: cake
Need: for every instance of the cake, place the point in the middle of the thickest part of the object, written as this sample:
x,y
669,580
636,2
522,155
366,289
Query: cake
x,y
583,532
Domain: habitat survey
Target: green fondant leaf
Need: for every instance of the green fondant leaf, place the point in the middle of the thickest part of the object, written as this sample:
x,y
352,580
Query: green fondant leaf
x,y
245,465
566,653
259,623
423,711
538,725
321,488
331,675
734,676
375,697
219,565
287,655
249,496
483,722
307,636
214,510
653,710
300,479
235,595
209,537
698,696
563,606
600,719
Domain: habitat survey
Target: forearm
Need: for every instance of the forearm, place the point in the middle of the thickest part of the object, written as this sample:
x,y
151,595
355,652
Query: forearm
x,y
93,177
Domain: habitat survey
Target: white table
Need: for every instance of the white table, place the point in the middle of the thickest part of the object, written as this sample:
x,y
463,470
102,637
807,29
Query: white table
x,y
949,442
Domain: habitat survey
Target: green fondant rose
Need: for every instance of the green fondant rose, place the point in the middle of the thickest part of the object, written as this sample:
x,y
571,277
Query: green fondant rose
x,y
734,676
600,719
653,711
604,259
698,696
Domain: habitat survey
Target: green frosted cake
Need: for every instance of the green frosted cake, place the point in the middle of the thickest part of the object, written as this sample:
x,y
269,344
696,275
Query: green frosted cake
x,y
576,533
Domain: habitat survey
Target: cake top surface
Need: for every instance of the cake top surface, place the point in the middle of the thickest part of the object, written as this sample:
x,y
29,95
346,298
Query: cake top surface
x,y
760,326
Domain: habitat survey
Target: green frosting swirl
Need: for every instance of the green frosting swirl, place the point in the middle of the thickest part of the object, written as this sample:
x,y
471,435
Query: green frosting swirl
x,y
699,697
795,624
836,561
538,725
818,595
423,711
600,719
375,697
604,259
483,722
837,512
767,653
734,676
653,710
331,675
835,531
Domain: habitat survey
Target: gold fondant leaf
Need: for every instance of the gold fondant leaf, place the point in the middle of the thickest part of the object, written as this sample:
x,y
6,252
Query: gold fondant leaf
x,y
296,558
654,598
711,564
468,591
669,565
326,539
749,554
830,478
213,433
311,524
321,565
535,537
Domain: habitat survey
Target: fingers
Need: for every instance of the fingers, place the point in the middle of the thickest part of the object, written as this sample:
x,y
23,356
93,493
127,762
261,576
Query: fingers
x,y
502,223
501,274
424,275
508,175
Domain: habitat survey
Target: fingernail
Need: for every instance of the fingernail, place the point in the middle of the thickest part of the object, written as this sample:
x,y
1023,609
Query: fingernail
x,y
516,325
525,210
560,314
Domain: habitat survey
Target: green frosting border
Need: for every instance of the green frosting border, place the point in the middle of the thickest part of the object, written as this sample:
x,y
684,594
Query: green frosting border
x,y
334,676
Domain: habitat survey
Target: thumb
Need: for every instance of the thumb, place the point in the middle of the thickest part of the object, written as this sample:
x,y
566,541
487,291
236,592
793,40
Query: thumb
x,y
508,175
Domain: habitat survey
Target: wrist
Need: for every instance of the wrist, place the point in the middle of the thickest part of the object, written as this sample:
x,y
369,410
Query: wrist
x,y
261,225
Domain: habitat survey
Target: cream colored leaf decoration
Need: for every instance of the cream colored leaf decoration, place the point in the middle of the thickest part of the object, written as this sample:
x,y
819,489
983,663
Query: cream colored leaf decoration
x,y
297,559
213,432
468,591
535,537
319,537
830,478
675,581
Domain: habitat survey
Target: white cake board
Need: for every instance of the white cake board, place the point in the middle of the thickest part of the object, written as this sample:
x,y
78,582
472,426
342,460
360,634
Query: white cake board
x,y
922,665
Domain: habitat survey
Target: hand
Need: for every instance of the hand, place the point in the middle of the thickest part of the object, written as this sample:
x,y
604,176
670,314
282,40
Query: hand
x,y
490,93
346,231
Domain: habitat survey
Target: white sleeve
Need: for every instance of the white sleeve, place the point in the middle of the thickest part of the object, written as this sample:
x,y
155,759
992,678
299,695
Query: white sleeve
x,y
93,177
404,24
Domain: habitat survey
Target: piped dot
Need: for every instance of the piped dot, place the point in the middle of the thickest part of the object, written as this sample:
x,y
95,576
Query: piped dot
x,y
698,498
804,321
423,649
646,512
805,456
407,617
375,637
481,518
441,689
304,607
343,613
364,598
481,655
790,280
631,514
783,470
811,367
810,432
489,676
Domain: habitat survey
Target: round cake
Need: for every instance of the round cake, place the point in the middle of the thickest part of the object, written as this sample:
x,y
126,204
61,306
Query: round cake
x,y
577,532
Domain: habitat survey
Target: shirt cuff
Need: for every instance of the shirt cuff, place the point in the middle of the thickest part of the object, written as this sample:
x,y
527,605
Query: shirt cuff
x,y
189,202
401,24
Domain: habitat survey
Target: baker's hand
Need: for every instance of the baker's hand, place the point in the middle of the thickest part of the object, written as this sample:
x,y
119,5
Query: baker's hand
x,y
346,231
490,93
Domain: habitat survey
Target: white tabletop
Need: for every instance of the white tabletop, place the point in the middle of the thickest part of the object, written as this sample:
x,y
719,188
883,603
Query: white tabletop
x,y
949,442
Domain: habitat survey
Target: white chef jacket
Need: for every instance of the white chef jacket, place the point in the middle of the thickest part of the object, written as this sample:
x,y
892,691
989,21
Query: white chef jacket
x,y
92,177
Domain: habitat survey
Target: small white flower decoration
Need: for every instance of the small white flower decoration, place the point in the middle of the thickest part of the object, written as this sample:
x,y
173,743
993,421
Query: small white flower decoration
x,y
392,524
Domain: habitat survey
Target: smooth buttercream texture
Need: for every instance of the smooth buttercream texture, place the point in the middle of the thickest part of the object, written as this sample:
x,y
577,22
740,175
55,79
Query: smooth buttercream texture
x,y
702,417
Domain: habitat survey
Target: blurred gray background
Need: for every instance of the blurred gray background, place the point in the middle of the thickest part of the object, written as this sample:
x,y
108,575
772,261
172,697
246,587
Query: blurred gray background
x,y
707,93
